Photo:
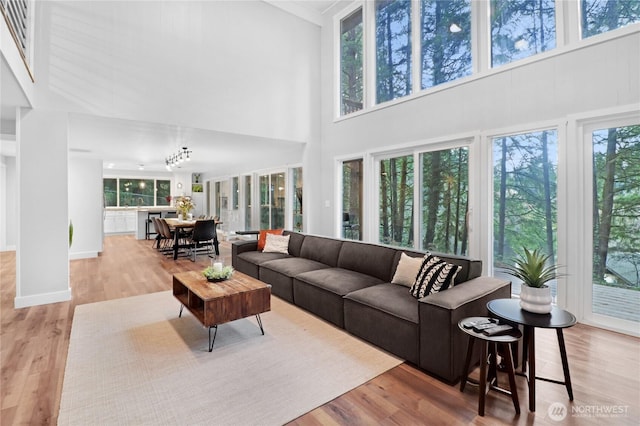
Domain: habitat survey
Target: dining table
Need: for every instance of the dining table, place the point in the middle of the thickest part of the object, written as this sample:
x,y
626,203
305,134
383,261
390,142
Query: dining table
x,y
178,227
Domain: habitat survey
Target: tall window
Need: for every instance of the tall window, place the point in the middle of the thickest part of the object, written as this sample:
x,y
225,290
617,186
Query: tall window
x,y
396,201
247,202
525,191
600,16
446,41
351,71
616,221
352,199
521,28
296,203
393,49
235,192
272,200
445,190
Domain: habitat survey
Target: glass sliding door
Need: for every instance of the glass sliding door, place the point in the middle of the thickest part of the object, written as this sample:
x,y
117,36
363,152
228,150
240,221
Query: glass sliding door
x,y
396,201
616,222
525,197
247,203
272,200
265,204
352,200
296,203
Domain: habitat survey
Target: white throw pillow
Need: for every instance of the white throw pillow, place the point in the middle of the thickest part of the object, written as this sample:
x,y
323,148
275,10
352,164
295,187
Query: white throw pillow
x,y
277,244
407,270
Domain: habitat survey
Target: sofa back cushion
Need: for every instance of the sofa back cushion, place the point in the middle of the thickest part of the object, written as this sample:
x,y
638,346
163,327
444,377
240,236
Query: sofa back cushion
x,y
320,249
471,268
370,259
295,242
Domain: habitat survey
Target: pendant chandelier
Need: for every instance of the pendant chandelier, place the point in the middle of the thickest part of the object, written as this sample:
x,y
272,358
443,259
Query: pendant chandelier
x,y
174,160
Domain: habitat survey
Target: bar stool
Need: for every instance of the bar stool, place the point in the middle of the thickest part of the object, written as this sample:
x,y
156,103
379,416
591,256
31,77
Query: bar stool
x,y
149,220
490,346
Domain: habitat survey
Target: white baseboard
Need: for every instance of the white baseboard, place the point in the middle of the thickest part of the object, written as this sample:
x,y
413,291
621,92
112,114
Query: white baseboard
x,y
42,299
83,255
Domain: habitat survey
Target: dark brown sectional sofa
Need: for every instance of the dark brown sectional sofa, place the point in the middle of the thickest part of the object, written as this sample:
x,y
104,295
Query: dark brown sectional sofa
x,y
349,284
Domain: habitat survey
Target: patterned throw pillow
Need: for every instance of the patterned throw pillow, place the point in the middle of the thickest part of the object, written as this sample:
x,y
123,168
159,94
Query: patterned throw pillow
x,y
435,275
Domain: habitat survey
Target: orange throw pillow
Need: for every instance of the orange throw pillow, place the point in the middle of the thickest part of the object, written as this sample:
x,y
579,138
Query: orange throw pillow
x,y
262,238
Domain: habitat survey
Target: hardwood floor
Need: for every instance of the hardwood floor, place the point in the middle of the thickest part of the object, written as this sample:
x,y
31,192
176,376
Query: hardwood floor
x,y
605,366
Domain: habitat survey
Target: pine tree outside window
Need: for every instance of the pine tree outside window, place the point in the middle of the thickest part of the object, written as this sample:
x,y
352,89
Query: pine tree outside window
x,y
521,28
445,41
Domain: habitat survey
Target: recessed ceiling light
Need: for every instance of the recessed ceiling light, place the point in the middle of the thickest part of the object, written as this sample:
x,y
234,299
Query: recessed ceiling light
x,y
140,166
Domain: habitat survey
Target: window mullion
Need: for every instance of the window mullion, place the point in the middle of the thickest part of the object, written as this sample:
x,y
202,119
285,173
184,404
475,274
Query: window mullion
x,y
416,46
369,39
480,40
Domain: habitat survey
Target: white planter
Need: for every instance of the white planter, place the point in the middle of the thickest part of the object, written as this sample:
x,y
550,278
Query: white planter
x,y
180,218
535,299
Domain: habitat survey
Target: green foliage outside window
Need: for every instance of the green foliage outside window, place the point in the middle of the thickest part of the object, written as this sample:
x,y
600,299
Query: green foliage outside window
x,y
525,194
446,41
445,192
393,49
351,67
130,192
396,201
600,16
616,215
521,28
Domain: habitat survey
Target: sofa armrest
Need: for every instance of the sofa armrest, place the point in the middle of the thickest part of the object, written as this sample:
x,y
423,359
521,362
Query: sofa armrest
x,y
443,345
466,292
238,247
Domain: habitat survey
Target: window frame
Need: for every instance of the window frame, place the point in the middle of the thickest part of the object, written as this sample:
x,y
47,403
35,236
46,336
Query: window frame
x,y
579,297
136,178
568,38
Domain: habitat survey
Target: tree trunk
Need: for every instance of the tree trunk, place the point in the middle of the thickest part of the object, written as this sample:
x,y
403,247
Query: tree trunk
x,y
548,213
502,201
433,199
607,203
384,202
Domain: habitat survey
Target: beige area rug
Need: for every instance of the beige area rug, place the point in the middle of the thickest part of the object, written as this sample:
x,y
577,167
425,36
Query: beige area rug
x,y
133,361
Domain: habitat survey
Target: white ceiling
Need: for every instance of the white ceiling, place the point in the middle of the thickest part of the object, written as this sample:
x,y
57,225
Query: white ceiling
x,y
127,144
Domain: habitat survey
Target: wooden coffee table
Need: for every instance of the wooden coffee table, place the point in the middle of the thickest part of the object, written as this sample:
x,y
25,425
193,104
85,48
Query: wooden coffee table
x,y
217,303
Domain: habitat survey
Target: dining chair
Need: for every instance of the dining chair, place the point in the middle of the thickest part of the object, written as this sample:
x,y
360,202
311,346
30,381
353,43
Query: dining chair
x,y
204,235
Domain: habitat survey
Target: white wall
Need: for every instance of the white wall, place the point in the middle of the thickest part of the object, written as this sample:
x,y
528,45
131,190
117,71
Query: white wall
x,y
85,207
42,257
8,203
602,75
244,67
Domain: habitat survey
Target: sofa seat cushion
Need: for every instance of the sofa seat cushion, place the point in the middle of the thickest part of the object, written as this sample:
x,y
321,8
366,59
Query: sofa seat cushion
x,y
387,316
248,262
392,299
321,292
292,266
259,257
338,281
280,272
